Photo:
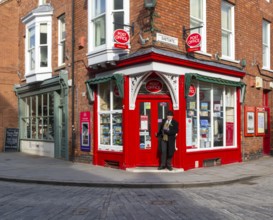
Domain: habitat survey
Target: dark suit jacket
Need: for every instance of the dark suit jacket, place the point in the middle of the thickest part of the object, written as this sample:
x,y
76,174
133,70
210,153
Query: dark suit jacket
x,y
173,130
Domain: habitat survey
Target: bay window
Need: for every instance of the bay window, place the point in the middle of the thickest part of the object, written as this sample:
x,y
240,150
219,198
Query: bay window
x,y
38,43
105,16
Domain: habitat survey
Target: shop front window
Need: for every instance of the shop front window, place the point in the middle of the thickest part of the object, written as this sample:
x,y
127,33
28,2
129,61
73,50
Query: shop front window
x,y
37,117
110,117
211,119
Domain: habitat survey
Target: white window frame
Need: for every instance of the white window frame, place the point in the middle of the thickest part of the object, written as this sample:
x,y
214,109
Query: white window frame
x,y
35,19
61,40
230,32
38,68
226,103
107,51
266,44
111,112
202,22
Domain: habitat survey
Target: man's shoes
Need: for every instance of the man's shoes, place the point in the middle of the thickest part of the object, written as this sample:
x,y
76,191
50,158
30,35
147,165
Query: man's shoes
x,y
161,168
170,168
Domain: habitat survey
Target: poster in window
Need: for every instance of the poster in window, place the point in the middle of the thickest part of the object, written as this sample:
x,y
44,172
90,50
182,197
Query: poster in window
x,y
260,121
85,131
249,125
143,122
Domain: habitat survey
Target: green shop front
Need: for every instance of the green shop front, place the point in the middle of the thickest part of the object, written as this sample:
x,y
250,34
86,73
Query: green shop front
x,y
43,110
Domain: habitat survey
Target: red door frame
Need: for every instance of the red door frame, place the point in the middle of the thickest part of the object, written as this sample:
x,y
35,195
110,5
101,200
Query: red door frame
x,y
266,138
149,157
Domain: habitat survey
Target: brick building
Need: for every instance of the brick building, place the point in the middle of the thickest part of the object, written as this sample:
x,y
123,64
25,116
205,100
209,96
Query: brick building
x,y
91,93
9,74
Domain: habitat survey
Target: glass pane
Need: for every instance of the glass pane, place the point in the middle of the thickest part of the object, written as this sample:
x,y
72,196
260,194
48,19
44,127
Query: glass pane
x,y
32,59
100,31
50,129
40,105
196,9
265,32
43,34
218,119
31,33
44,54
99,7
195,23
117,129
225,44
162,109
204,108
230,116
51,104
226,17
118,4
63,51
63,33
117,100
104,94
105,129
145,126
118,20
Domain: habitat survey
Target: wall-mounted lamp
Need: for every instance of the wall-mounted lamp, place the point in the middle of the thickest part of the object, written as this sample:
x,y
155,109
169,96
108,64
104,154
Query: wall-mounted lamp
x,y
149,4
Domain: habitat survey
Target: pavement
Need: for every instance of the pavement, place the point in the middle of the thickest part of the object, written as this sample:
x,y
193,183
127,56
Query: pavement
x,y
25,168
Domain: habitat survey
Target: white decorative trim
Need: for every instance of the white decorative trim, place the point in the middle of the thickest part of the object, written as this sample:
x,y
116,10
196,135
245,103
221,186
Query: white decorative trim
x,y
134,85
171,81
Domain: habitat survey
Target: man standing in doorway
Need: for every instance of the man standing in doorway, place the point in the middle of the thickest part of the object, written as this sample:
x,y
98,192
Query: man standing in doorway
x,y
167,134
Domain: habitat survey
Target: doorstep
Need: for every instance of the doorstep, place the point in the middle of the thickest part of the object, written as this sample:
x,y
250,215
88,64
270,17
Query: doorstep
x,y
153,170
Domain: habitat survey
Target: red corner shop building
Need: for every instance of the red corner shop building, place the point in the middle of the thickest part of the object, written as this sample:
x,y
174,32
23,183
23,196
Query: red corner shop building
x,y
131,99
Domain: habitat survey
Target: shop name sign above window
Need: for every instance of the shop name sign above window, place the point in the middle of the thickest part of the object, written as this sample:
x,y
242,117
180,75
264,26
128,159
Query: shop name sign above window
x,y
154,86
122,38
193,41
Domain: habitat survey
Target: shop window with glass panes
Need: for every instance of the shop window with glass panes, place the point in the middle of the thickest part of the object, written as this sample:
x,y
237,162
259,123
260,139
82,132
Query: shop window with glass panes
x,y
37,117
110,117
211,119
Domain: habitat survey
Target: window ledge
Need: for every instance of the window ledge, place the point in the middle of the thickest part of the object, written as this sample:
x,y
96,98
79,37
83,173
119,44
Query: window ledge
x,y
266,69
230,60
204,53
61,67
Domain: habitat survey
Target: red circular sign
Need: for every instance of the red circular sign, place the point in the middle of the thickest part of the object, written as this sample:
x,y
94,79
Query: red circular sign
x,y
116,92
154,86
192,91
193,40
121,36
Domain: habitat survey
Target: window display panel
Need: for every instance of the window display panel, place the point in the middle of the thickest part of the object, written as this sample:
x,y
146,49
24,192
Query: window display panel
x,y
211,118
230,115
191,122
110,117
205,115
37,123
218,119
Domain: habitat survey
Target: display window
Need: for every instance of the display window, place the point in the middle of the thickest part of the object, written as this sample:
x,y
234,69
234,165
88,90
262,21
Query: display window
x,y
211,121
37,118
110,117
